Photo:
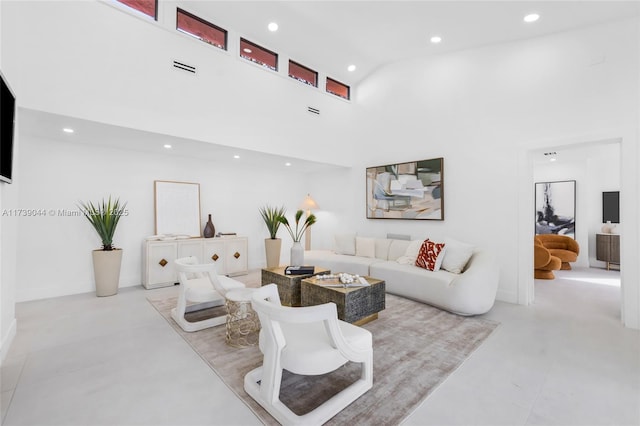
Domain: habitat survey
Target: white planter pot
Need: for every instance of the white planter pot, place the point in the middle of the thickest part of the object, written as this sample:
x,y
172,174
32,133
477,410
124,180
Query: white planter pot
x,y
106,269
272,248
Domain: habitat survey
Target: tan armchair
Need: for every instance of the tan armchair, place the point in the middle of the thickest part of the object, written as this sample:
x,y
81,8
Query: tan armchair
x,y
544,263
561,246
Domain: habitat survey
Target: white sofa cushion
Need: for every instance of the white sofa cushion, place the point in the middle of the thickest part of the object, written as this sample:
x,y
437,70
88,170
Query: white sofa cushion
x,y
345,244
411,253
365,247
337,263
397,249
382,248
457,255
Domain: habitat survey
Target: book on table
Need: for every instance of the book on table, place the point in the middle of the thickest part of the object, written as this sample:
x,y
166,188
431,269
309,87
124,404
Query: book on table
x,y
299,270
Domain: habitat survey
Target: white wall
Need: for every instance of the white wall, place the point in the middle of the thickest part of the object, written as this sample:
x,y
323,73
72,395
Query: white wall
x,y
54,251
8,238
92,56
483,111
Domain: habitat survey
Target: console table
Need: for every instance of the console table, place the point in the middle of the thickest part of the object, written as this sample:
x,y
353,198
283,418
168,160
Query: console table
x,y
158,269
608,248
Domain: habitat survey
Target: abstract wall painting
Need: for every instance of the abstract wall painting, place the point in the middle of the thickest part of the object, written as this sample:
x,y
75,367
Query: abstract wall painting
x,y
556,208
413,190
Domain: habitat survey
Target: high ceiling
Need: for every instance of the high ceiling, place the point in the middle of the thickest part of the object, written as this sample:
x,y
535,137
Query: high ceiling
x,y
330,35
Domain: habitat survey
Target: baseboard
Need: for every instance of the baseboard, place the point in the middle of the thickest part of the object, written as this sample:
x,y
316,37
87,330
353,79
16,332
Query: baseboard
x,y
7,340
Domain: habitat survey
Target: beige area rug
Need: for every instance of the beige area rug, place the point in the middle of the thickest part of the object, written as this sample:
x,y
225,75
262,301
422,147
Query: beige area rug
x,y
416,347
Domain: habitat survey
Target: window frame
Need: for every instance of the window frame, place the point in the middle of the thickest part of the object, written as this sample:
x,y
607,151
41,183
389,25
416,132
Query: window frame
x,y
205,22
129,7
257,46
305,82
348,98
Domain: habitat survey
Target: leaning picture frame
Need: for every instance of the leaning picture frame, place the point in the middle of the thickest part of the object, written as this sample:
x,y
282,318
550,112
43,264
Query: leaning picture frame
x,y
412,190
556,208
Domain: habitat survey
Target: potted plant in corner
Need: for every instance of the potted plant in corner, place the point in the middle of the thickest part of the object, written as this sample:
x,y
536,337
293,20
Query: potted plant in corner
x,y
297,251
104,218
273,244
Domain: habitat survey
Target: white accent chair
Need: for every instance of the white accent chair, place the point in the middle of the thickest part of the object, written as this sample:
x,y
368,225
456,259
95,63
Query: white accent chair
x,y
201,287
307,341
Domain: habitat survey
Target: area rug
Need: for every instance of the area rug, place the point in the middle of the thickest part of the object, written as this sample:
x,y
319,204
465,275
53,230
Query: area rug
x,y
416,347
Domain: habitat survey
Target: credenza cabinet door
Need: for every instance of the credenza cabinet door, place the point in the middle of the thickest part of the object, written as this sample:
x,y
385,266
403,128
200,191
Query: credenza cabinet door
x,y
608,248
236,257
214,252
158,269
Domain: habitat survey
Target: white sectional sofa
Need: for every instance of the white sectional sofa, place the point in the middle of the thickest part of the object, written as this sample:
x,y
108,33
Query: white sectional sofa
x,y
469,292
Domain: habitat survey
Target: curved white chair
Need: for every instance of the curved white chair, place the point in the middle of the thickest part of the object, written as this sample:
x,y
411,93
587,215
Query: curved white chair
x,y
308,341
200,288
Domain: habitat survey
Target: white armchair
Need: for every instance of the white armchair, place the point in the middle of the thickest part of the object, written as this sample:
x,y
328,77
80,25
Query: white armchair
x,y
200,288
307,341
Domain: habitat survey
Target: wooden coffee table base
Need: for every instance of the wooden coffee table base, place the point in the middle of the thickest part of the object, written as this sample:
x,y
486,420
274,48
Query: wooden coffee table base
x,y
288,285
357,305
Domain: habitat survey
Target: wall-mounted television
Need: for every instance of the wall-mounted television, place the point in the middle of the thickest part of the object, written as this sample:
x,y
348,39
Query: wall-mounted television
x,y
611,207
7,129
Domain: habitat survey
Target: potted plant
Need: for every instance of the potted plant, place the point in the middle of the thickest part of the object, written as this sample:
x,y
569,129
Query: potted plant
x,y
104,218
273,244
297,251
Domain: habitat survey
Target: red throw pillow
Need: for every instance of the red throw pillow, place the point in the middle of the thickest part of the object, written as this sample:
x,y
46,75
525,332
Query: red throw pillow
x,y
430,255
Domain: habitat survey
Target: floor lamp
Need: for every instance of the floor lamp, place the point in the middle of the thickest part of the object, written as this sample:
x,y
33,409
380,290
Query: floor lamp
x,y
307,205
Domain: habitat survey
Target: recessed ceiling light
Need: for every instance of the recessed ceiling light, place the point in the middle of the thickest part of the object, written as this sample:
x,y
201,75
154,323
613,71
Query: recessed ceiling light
x,y
272,26
236,156
287,164
166,145
532,17
436,39
246,50
351,68
68,130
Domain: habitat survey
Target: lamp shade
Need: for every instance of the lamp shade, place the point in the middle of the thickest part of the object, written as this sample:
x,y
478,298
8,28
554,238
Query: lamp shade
x,y
309,204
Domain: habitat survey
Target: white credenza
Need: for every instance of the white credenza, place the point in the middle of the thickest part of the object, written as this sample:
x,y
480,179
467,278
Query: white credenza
x,y
158,269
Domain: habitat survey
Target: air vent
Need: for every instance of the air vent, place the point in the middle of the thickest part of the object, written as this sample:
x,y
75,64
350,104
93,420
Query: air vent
x,y
313,110
184,67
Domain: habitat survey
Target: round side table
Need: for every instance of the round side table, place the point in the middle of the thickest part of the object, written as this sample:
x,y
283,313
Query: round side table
x,y
243,324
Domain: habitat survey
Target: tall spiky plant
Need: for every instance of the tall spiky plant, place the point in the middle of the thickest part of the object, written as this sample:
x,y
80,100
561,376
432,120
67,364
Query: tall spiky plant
x,y
270,216
104,217
297,234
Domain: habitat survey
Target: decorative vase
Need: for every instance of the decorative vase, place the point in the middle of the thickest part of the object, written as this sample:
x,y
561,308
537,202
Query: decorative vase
x,y
209,229
297,254
606,228
106,270
272,248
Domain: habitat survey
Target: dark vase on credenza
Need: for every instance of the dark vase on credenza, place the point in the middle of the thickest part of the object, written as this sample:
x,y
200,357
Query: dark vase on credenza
x,y
209,229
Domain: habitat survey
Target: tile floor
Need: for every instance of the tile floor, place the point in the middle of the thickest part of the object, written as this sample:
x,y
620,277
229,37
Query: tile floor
x,y
82,360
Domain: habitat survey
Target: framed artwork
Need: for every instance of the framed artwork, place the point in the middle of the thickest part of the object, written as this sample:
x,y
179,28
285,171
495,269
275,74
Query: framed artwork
x,y
556,208
177,208
413,190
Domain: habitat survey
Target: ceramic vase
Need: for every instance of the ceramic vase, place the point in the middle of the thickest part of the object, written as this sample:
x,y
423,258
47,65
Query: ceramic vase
x,y
272,249
209,229
106,270
297,254
606,228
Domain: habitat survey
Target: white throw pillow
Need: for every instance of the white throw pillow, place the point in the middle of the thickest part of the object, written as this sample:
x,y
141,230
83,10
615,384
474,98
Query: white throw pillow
x,y
345,244
456,256
411,254
365,247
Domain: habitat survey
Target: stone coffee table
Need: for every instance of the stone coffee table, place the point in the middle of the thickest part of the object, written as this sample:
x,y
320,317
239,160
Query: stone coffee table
x,y
357,305
288,285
